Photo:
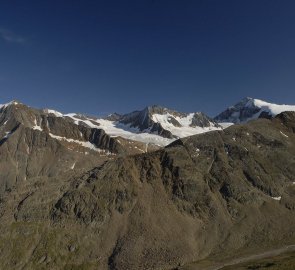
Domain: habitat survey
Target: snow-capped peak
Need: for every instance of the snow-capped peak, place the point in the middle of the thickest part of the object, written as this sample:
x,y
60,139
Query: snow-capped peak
x,y
249,109
56,113
13,102
271,108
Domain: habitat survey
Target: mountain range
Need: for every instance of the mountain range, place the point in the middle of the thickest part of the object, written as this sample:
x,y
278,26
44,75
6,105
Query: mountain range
x,y
157,125
150,189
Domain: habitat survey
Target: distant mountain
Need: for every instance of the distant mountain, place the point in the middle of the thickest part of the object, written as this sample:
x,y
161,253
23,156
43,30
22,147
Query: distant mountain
x,y
249,109
154,125
168,123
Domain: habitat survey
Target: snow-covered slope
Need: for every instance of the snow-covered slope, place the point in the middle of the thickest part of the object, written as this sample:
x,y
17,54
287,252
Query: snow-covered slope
x,y
185,125
249,108
7,104
117,129
168,123
153,125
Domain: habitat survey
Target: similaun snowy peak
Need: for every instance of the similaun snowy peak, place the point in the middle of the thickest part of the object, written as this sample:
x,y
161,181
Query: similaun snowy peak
x,y
249,108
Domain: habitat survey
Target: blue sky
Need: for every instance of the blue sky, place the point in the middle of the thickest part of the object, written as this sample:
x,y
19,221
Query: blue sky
x,y
104,56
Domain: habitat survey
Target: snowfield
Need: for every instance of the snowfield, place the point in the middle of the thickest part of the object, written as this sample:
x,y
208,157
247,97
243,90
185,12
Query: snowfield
x,y
271,109
185,129
116,129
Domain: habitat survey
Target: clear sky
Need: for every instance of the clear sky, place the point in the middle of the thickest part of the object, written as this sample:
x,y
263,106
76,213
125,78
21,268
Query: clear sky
x,y
105,56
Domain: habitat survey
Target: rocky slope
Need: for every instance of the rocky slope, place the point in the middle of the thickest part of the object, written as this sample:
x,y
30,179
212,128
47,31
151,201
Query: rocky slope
x,y
249,109
202,196
32,141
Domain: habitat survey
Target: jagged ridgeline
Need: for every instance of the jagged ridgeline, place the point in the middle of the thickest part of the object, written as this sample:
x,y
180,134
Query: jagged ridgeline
x,y
76,195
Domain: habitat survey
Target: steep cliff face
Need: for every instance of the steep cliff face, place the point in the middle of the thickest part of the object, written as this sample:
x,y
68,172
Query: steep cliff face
x,y
210,194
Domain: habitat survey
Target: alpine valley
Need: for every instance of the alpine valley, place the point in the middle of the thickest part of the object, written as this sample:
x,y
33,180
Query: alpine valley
x,y
150,189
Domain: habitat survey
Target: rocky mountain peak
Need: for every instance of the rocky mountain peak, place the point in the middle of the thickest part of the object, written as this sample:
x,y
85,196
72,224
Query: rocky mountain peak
x,y
166,122
13,102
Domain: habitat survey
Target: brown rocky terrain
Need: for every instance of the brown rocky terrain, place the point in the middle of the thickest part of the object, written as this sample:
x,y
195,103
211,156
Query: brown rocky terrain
x,y
35,143
213,195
